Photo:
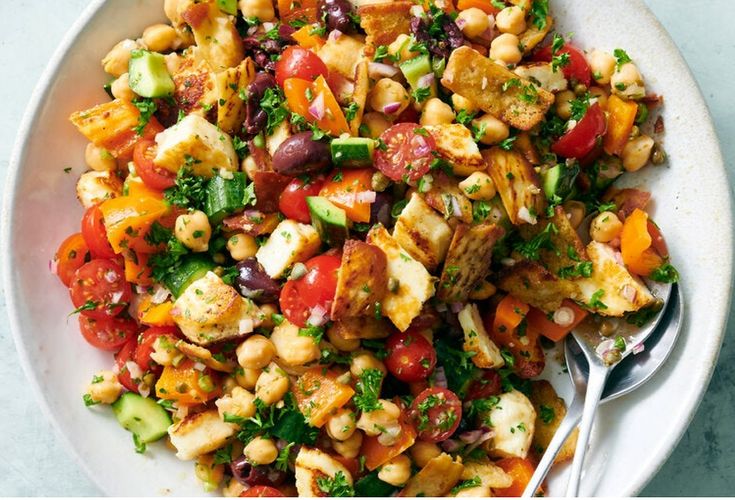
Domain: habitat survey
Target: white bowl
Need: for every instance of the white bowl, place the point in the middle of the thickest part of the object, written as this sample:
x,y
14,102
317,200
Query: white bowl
x,y
634,435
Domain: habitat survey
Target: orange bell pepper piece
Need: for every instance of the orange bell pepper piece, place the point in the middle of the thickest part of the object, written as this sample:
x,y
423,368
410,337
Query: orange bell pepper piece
x,y
344,192
306,39
137,189
155,314
521,470
287,6
128,219
295,90
377,454
539,322
636,245
318,395
136,268
186,385
620,120
509,314
483,5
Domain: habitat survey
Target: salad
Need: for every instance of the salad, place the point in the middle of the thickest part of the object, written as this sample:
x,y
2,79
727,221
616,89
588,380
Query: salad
x,y
330,243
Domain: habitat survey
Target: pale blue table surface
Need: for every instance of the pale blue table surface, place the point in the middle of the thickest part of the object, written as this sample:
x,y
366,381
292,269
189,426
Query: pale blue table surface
x,y
32,460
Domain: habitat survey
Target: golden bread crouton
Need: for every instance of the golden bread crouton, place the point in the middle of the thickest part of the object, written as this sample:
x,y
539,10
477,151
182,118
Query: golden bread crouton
x,y
532,283
383,22
518,185
436,479
362,280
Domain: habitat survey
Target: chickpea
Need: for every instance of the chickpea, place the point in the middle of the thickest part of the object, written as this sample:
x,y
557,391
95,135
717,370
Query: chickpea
x,y
576,212
511,20
627,82
347,345
262,9
474,22
193,230
462,103
483,291
266,316
116,61
272,384
436,112
209,473
385,92
233,488
423,451
396,471
400,48
165,352
242,246
228,385
504,49
120,88
376,421
240,402
601,95
159,37
255,352
249,166
563,104
247,378
364,361
495,130
602,65
261,451
341,425
478,186
99,159
637,153
104,387
350,447
376,124
605,227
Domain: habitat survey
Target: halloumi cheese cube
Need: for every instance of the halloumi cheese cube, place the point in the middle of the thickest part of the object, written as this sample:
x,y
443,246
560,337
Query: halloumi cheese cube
x,y
199,433
491,476
476,339
312,464
290,242
423,232
543,74
210,311
611,284
455,144
217,38
415,284
95,187
436,479
513,420
195,142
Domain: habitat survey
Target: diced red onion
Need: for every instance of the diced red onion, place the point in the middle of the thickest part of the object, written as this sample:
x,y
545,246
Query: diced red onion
x,y
486,434
564,316
456,307
365,197
110,276
420,146
334,35
382,70
604,346
639,348
629,293
268,26
252,30
134,370
316,109
440,378
391,108
160,294
200,367
460,22
115,298
525,215
246,325
470,437
426,81
318,316
456,209
450,445
144,390
53,266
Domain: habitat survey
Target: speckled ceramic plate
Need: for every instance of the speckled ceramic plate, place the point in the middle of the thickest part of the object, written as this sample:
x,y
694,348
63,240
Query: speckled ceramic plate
x,y
634,435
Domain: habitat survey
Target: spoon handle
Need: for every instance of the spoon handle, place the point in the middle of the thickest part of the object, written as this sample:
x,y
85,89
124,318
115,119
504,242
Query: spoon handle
x,y
595,386
571,419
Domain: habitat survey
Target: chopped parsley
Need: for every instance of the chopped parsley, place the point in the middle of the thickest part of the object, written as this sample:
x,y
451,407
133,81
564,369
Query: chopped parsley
x,y
190,189
539,13
336,486
273,105
542,241
315,332
665,274
547,414
467,484
621,57
368,390
421,94
595,302
147,107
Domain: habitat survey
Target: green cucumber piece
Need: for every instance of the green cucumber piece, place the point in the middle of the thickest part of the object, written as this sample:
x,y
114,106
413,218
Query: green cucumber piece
x,y
224,196
415,68
371,486
352,151
228,6
142,416
438,64
148,74
191,269
558,181
329,220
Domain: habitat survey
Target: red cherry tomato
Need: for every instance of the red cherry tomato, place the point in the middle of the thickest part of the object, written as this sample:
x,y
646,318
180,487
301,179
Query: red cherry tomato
x,y
316,288
107,334
411,358
657,240
95,234
70,256
99,289
489,385
579,141
262,491
292,202
124,355
298,62
154,177
577,69
436,413
146,342
407,154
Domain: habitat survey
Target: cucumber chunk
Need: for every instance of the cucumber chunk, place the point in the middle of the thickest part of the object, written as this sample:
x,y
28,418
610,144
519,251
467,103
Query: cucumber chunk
x,y
191,269
224,196
142,416
415,68
148,74
558,181
329,220
352,151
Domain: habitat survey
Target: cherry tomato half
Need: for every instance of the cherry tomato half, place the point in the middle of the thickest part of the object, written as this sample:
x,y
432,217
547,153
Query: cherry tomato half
x,y
146,342
125,354
579,141
262,491
411,358
436,413
154,177
488,385
99,289
316,288
108,334
408,152
576,69
298,62
70,256
95,234
292,202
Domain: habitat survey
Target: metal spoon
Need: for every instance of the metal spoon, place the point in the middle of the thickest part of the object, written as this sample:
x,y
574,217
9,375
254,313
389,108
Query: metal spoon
x,y
630,374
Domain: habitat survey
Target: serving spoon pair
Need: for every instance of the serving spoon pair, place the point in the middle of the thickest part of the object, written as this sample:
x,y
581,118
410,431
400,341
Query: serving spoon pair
x,y
590,359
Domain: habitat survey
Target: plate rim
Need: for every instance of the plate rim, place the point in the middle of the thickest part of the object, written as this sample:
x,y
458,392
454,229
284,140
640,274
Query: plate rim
x,y
18,156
